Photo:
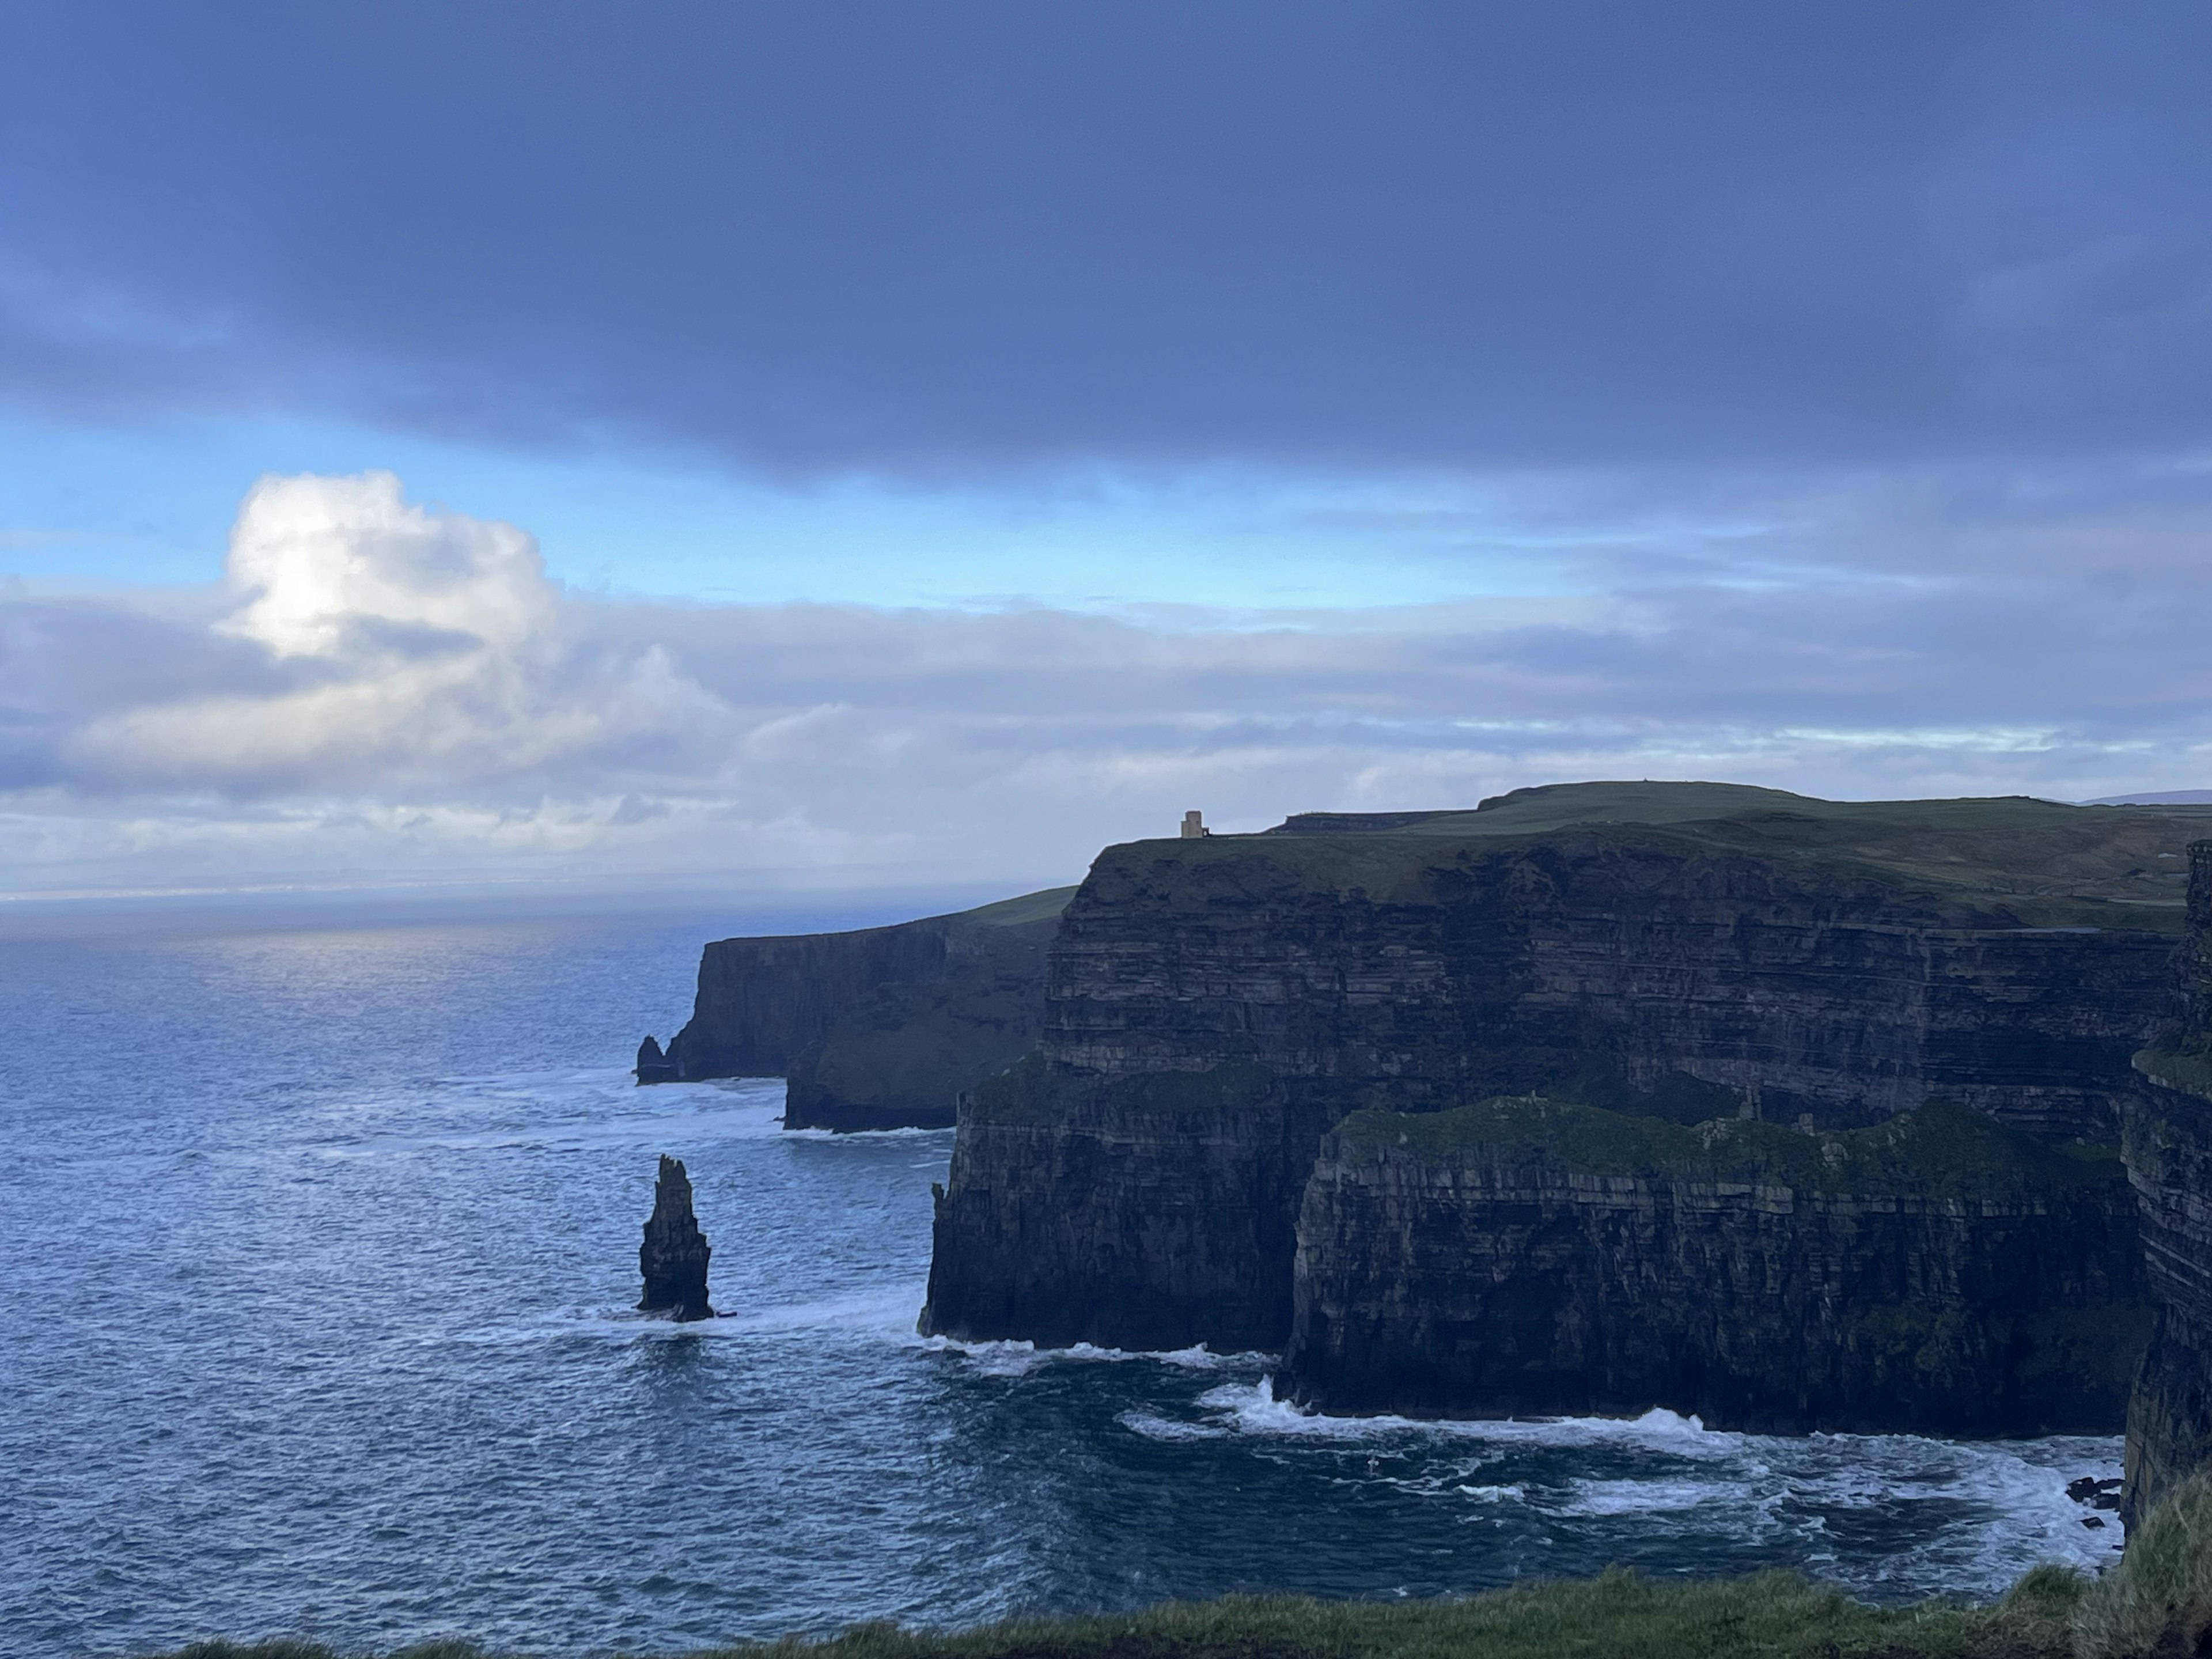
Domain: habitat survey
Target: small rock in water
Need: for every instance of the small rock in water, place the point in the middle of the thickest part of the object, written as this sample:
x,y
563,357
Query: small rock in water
x,y
2094,1492
652,1066
2093,1522
673,1257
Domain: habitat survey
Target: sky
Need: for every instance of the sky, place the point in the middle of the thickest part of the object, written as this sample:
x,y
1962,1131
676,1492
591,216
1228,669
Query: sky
x,y
834,447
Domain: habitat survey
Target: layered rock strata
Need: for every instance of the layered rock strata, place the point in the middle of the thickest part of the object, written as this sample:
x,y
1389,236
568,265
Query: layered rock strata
x,y
877,1029
673,1257
2168,1147
1938,1274
1691,950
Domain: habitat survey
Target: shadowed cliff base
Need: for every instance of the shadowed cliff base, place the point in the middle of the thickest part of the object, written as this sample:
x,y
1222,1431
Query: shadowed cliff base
x,y
1938,1274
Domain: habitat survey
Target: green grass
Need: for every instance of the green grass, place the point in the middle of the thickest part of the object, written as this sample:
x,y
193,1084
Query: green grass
x,y
1616,1616
1989,862
2177,1068
1019,912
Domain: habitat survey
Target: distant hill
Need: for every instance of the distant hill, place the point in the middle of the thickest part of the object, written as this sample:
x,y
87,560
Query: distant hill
x,y
2157,797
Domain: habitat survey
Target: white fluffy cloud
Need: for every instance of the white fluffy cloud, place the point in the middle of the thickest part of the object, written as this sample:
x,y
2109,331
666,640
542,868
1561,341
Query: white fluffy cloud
x,y
419,648
379,690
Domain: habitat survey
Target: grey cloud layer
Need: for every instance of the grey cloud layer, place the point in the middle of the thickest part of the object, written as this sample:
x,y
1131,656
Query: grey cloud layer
x,y
987,235
380,688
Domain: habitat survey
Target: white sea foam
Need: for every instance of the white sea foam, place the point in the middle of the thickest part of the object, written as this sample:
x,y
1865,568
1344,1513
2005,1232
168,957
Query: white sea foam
x,y
1153,1426
1999,1507
1255,1409
890,1314
1002,1358
1645,1497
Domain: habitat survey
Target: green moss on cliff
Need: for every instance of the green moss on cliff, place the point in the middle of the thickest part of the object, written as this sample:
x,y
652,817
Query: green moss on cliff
x,y
918,1046
1940,1152
2178,1068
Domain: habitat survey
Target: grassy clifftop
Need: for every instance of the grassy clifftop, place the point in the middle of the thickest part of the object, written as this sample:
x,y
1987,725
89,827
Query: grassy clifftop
x,y
2048,863
1940,1151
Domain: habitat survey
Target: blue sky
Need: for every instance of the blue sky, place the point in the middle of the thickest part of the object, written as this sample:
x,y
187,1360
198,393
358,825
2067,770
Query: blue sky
x,y
894,442
647,523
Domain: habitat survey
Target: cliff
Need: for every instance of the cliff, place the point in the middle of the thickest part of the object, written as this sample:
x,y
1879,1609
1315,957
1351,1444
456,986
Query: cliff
x,y
1688,951
879,1027
2168,1148
1936,1274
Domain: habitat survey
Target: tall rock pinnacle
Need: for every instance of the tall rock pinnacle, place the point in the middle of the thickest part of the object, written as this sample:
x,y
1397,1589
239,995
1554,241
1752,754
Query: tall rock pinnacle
x,y
673,1257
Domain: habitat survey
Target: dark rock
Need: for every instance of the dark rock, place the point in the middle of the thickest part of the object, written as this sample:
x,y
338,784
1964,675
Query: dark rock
x,y
1939,1274
1689,951
883,1028
673,1257
2167,1142
2093,1522
652,1066
2106,1500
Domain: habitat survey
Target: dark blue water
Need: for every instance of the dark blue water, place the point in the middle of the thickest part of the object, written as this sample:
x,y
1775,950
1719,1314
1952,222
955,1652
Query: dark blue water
x,y
318,1247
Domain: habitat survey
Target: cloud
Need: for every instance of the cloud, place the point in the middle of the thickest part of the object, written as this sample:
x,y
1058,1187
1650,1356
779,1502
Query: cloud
x,y
379,689
414,646
981,238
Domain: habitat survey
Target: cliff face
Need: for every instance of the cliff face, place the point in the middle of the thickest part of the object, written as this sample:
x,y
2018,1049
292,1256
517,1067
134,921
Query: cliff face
x,y
2168,1147
1419,973
1125,1211
1937,1273
1691,950
880,1027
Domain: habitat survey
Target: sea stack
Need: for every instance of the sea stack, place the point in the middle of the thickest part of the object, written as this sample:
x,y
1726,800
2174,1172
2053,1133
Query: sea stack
x,y
673,1257
652,1066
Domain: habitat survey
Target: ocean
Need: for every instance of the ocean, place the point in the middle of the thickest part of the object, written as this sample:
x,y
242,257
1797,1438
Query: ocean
x,y
319,1245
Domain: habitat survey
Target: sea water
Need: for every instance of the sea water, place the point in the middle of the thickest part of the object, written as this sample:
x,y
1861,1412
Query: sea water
x,y
319,1248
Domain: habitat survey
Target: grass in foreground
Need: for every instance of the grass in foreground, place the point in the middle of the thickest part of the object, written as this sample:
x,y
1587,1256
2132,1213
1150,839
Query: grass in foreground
x,y
2155,1604
1617,1615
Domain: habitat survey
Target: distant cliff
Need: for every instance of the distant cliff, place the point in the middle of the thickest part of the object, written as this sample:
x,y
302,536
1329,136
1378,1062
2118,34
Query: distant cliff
x,y
1937,1273
879,1027
1691,952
